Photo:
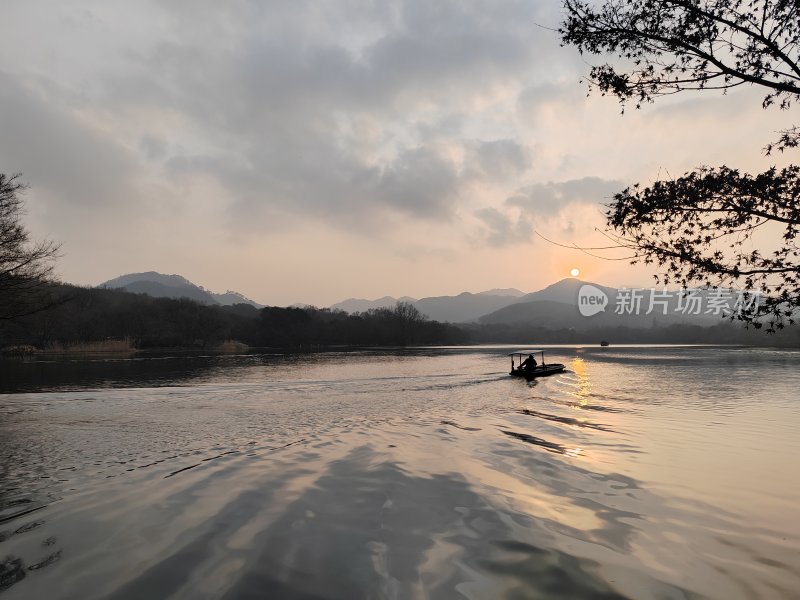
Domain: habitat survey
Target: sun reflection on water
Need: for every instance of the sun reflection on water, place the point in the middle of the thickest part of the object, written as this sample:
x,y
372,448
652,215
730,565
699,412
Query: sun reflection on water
x,y
584,386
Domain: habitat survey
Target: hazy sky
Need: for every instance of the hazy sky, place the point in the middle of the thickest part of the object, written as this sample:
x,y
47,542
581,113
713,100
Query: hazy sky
x,y
309,151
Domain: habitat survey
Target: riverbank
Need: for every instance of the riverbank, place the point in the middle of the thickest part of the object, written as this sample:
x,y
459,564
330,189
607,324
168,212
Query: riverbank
x,y
114,347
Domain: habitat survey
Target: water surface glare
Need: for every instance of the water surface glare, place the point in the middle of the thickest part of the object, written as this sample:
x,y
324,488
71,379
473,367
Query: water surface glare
x,y
642,472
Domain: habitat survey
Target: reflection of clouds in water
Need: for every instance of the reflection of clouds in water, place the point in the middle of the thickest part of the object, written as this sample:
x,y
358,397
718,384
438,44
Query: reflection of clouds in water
x,y
357,523
341,518
360,526
368,527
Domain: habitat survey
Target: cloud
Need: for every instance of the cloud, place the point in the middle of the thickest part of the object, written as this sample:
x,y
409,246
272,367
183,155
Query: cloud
x,y
216,133
551,197
553,202
343,111
58,154
502,230
495,160
322,110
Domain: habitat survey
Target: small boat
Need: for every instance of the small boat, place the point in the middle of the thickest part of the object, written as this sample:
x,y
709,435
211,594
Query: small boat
x,y
604,344
540,370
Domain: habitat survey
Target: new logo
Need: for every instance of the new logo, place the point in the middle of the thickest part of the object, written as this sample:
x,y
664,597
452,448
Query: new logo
x,y
591,300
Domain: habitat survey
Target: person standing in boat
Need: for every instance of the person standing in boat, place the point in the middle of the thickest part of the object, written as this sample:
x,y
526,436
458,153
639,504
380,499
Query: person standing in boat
x,y
529,364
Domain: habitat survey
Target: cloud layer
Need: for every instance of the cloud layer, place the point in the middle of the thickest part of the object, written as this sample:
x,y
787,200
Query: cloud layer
x,y
189,136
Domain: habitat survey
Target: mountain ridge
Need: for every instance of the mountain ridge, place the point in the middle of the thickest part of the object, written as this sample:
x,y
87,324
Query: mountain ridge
x,y
556,305
160,285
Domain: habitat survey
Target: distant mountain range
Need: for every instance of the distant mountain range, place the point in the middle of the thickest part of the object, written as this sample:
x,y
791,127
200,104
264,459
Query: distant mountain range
x,y
454,309
174,286
514,292
464,307
354,305
554,307
557,307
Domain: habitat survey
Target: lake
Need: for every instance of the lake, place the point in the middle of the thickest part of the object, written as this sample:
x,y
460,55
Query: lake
x,y
642,472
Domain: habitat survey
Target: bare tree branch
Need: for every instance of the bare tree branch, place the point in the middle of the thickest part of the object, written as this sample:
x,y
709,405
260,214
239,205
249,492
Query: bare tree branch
x,y
26,268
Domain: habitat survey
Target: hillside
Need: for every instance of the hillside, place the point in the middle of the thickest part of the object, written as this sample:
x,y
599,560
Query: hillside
x,y
462,308
159,285
354,305
565,291
503,292
544,313
556,306
454,309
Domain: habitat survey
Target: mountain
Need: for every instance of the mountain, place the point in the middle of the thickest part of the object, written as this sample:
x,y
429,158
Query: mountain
x,y
462,308
453,309
549,314
557,306
503,292
161,290
151,276
230,298
354,305
565,291
159,285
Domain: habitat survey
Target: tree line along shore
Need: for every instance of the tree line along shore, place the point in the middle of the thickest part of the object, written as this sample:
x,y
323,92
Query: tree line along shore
x,y
94,320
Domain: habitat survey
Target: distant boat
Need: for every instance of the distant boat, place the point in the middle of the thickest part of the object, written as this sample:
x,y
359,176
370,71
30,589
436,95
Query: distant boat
x,y
604,343
540,370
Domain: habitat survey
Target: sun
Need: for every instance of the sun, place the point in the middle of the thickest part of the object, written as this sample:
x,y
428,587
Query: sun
x,y
575,272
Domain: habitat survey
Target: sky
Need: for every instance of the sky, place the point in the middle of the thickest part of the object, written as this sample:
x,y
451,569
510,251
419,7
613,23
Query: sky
x,y
311,151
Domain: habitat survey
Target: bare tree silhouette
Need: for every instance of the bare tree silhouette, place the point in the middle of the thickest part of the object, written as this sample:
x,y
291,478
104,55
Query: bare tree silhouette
x,y
26,266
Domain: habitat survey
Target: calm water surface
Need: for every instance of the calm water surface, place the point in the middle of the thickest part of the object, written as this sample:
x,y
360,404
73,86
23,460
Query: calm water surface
x,y
643,472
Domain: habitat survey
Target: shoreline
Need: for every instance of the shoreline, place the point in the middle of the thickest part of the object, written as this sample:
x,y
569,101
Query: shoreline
x,y
244,349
